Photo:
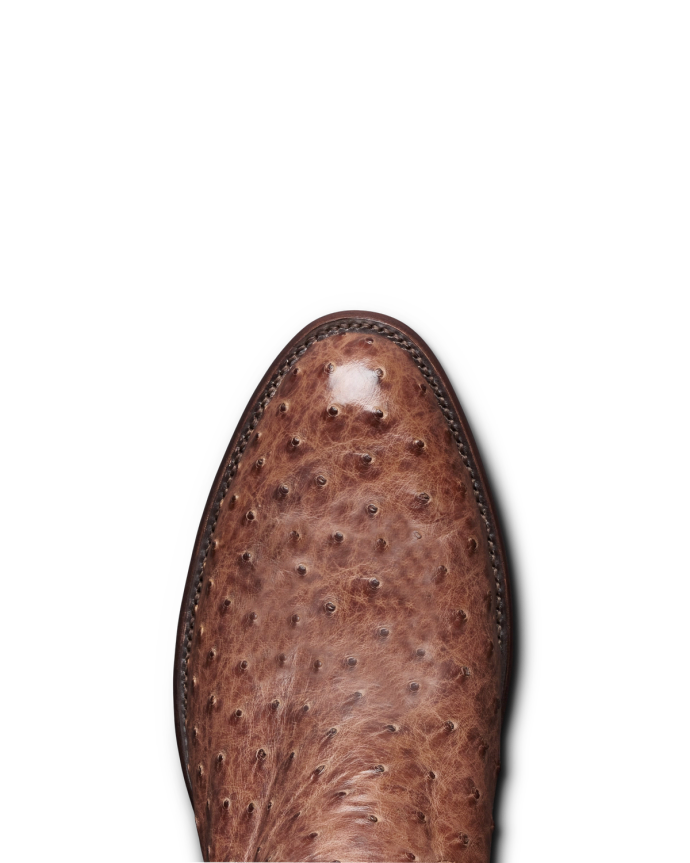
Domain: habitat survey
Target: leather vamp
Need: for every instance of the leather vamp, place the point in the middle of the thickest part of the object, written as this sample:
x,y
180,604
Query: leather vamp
x,y
344,678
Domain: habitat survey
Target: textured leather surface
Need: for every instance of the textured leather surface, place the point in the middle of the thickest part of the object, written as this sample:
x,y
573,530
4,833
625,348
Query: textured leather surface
x,y
344,680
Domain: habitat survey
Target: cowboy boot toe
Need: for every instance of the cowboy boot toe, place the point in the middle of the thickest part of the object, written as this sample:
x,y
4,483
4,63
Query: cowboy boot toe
x,y
344,637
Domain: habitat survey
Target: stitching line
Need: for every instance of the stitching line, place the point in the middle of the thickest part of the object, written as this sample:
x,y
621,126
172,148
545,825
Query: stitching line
x,y
231,470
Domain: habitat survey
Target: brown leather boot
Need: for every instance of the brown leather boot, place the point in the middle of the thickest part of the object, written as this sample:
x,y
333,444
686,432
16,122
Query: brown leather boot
x,y
344,639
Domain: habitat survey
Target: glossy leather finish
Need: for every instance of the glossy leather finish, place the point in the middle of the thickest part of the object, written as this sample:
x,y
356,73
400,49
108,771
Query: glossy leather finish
x,y
344,644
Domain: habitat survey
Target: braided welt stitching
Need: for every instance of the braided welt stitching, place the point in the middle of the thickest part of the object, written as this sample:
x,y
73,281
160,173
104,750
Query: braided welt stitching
x,y
267,395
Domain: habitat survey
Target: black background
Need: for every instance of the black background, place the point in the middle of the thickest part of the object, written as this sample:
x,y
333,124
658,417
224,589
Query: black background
x,y
182,370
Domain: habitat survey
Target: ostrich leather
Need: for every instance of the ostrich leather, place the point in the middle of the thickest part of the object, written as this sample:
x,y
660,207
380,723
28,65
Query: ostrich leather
x,y
345,648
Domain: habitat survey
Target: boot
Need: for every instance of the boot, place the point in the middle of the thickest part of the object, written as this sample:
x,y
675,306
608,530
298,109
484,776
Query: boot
x,y
344,639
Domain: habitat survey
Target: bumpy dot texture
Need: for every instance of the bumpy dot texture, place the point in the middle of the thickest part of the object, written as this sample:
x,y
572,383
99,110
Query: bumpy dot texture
x,y
352,683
